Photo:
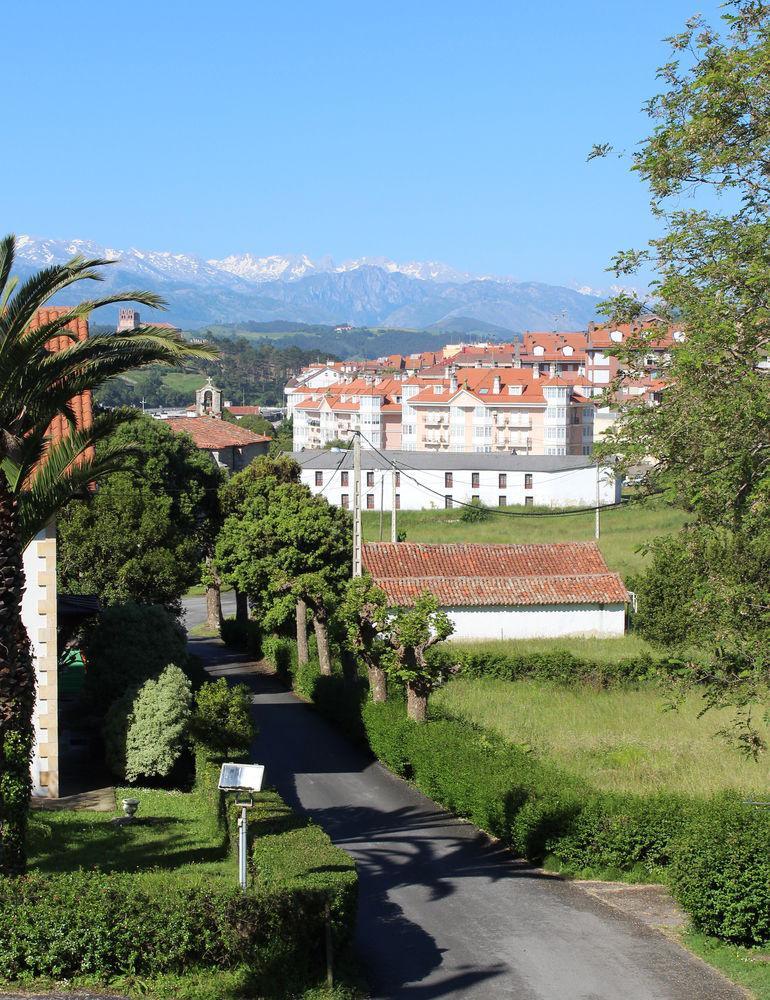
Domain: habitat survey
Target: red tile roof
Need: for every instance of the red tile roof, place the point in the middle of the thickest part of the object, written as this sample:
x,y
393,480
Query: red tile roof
x,y
211,434
245,411
464,575
82,405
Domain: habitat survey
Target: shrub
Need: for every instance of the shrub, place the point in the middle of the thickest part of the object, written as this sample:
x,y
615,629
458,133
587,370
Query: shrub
x,y
720,872
281,654
475,511
559,666
238,635
128,644
222,719
145,730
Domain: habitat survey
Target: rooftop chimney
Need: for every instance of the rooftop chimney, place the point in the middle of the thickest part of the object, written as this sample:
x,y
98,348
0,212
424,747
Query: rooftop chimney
x,y
496,385
536,370
452,380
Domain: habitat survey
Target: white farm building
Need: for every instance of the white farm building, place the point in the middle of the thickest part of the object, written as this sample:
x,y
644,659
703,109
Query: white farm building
x,y
506,591
421,480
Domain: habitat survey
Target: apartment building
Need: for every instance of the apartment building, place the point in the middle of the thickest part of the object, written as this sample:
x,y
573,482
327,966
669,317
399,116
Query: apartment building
x,y
369,404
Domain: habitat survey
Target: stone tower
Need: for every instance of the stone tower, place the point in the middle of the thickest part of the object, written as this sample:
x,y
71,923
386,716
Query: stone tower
x,y
128,319
208,401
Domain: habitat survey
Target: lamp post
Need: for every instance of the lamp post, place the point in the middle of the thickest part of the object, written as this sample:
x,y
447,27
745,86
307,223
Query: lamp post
x,y
244,780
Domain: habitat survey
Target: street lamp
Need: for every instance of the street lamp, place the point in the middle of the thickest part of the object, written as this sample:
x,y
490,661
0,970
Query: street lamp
x,y
244,780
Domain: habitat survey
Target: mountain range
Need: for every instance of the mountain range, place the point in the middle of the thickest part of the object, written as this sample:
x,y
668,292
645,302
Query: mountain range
x,y
371,291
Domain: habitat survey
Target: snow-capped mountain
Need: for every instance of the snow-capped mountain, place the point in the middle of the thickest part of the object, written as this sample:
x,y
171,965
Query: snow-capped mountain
x,y
369,291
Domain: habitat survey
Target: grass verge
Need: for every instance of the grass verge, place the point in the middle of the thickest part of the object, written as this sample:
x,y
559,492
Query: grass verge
x,y
749,967
623,529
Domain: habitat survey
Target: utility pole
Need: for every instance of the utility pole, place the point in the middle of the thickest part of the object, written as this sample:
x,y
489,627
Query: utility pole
x,y
596,528
357,553
382,501
393,532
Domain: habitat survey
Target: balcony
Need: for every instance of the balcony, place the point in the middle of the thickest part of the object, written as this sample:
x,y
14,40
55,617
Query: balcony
x,y
436,420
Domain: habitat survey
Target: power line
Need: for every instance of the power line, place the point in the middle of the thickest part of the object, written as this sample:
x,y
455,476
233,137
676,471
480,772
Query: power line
x,y
492,510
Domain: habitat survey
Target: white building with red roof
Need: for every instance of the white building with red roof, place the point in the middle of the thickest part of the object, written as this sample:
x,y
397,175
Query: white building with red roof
x,y
506,591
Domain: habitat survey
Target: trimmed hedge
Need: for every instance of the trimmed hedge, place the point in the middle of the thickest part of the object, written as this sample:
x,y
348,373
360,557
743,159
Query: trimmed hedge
x,y
715,852
150,922
240,636
559,666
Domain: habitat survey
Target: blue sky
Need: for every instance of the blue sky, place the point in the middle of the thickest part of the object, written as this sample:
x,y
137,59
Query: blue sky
x,y
441,129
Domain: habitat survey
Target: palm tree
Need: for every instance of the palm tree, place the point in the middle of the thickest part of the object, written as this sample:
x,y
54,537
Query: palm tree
x,y
38,475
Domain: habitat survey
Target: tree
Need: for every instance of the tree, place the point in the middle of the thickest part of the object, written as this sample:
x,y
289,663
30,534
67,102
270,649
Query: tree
x,y
283,546
413,631
710,434
284,437
364,614
145,533
39,476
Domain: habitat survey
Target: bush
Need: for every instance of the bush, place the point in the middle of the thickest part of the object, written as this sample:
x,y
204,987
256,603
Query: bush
x,y
559,666
720,872
475,511
145,730
222,719
128,644
281,654
241,636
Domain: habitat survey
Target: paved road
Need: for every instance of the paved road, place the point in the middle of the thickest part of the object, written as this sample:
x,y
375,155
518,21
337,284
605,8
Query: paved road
x,y
195,608
444,912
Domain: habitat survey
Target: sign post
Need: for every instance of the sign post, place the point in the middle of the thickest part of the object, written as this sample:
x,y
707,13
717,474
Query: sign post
x,y
244,779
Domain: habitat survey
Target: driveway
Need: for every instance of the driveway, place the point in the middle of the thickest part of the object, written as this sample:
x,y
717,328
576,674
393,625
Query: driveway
x,y
444,911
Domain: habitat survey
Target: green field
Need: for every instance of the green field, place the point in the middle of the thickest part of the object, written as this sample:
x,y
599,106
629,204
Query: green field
x,y
617,739
623,529
590,648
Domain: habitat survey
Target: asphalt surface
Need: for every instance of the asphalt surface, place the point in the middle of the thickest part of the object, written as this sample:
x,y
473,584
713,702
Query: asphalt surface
x,y
444,911
195,608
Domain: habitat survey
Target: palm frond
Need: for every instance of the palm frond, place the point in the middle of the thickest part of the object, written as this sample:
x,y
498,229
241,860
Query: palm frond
x,y
7,254
67,471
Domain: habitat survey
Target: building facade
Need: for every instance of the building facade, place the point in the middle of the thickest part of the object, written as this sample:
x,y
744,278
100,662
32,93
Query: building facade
x,y
421,481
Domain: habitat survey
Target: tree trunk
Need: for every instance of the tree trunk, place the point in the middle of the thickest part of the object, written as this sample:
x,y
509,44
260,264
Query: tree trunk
x,y
302,653
241,608
378,684
213,598
349,667
17,694
322,638
416,703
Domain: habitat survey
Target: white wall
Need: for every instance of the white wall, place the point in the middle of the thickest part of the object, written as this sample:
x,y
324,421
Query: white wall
x,y
538,621
571,488
38,610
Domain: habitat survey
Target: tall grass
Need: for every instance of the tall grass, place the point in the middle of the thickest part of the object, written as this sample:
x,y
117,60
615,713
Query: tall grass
x,y
618,740
604,650
623,529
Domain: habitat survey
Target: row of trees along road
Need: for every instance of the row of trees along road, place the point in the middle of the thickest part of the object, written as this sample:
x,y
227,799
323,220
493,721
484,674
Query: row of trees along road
x,y
710,435
38,476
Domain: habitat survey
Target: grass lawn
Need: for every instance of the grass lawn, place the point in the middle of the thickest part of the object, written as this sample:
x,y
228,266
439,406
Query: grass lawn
x,y
623,529
178,831
184,382
617,739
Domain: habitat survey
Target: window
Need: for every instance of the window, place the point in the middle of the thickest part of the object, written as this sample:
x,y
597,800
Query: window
x,y
370,501
398,478
345,500
475,481
502,480
527,480
502,500
447,480
475,498
344,476
370,479
448,502
319,478
398,501
529,501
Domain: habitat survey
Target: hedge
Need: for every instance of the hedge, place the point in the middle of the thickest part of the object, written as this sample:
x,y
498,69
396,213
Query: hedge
x,y
238,635
714,853
106,924
559,666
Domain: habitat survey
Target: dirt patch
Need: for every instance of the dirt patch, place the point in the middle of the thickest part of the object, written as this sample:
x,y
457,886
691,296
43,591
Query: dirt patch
x,y
652,904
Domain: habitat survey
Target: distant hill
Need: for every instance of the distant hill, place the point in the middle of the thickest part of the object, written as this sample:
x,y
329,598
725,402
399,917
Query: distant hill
x,y
358,342
371,292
